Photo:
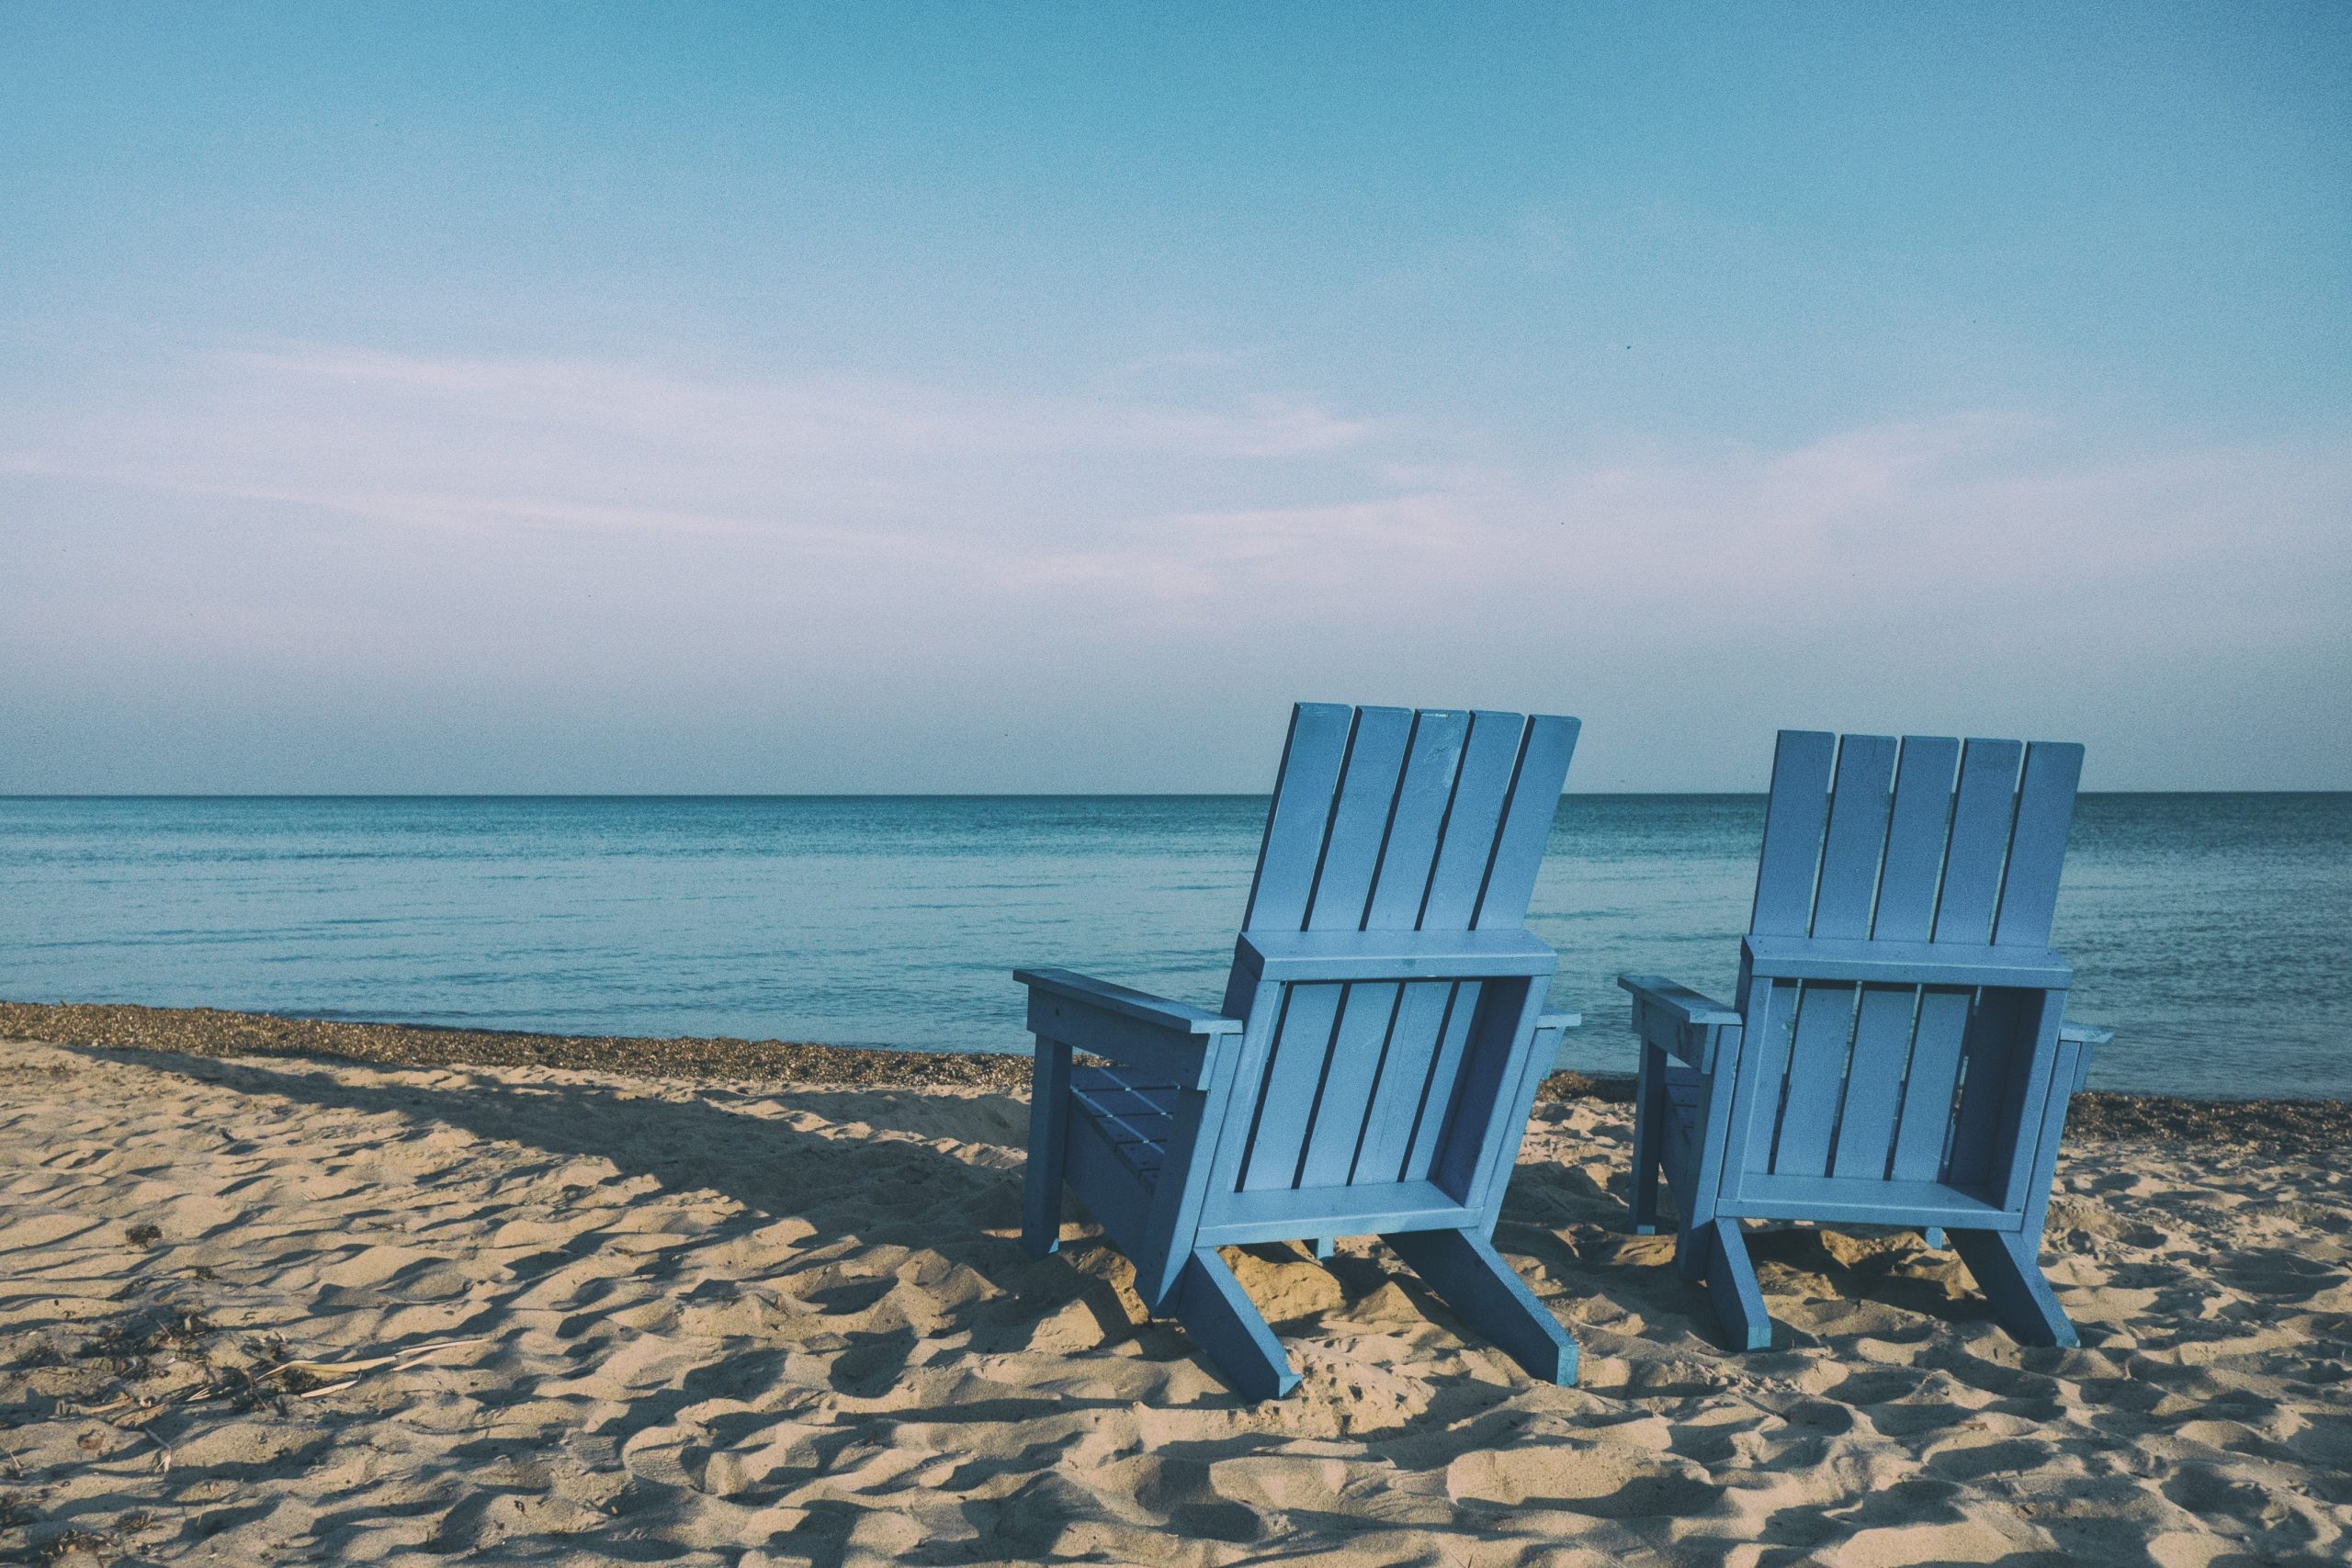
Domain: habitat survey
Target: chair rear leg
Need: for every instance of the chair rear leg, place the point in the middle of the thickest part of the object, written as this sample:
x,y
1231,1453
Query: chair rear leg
x,y
1041,1180
1731,1282
1223,1321
1486,1292
1649,1134
1323,1246
2008,1268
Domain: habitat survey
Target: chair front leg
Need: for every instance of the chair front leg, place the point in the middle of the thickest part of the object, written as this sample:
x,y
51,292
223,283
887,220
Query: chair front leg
x,y
1649,1133
1041,1182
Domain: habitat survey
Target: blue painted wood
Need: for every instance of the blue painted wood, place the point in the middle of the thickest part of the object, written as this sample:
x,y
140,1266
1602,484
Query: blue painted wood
x,y
1982,810
2038,843
1359,818
1899,1055
1394,1115
1336,1125
1825,1029
1731,1282
1041,1181
1302,1053
1372,1065
1297,957
1527,815
1914,840
1217,1314
1931,1084
1856,841
1874,1081
2006,1266
1401,879
1919,963
1793,820
1471,1276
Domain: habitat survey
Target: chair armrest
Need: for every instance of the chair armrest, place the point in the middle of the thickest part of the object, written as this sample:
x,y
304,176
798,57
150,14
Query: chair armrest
x,y
2083,1037
1678,1020
1176,1040
1557,1022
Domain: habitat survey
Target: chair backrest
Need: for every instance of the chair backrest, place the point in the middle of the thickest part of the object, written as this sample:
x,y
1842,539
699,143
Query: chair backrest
x,y
1896,977
1387,819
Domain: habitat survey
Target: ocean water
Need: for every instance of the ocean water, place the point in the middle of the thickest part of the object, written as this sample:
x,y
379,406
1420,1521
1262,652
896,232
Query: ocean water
x,y
2208,929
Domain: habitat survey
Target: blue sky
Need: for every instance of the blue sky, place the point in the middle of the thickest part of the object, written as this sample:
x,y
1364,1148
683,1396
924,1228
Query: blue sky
x,y
901,397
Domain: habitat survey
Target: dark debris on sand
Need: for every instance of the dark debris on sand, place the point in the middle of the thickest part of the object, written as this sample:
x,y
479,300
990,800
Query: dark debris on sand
x,y
2319,1127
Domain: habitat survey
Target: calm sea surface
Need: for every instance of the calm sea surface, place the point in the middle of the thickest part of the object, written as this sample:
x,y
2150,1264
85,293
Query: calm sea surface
x,y
2208,929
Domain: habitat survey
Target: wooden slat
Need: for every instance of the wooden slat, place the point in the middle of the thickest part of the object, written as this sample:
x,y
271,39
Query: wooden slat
x,y
1419,1024
1236,1218
1299,816
1527,821
2034,1070
1109,1186
1792,824
1989,1054
1763,1071
1816,1077
1489,760
1367,796
1857,837
1914,838
1444,1077
1916,962
2037,842
1982,813
1833,1199
1432,762
1874,1080
1286,1094
1337,1126
1925,1120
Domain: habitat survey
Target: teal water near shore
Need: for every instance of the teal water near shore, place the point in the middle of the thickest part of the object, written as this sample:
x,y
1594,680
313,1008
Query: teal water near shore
x,y
2208,929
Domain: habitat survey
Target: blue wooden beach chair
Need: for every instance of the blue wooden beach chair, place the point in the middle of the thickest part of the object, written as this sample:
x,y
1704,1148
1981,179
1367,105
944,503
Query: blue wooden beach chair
x,y
1899,1055
1372,1065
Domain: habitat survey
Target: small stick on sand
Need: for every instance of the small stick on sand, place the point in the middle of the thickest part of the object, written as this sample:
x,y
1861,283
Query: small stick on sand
x,y
366,1364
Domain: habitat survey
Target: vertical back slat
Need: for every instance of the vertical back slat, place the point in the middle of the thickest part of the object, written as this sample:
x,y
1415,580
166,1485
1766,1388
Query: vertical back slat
x,y
1432,762
1489,760
1299,818
1367,795
1874,1081
1816,1073
1527,822
1763,1073
1420,1022
1927,1091
1435,1096
1980,840
1337,1126
1988,1053
1857,837
1914,838
2038,843
1793,824
1286,1096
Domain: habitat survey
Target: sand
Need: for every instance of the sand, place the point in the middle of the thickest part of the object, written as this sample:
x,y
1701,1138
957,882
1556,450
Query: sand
x,y
740,1325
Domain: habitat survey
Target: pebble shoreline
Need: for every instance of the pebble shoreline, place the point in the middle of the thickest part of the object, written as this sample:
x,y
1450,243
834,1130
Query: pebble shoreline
x,y
2288,1126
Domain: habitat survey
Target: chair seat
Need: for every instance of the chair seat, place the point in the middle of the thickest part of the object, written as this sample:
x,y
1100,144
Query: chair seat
x,y
1134,1113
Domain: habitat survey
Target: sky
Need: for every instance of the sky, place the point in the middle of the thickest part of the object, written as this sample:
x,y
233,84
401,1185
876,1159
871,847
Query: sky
x,y
944,398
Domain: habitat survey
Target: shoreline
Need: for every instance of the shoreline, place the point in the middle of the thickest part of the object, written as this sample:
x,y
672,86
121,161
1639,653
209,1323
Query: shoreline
x,y
2279,1124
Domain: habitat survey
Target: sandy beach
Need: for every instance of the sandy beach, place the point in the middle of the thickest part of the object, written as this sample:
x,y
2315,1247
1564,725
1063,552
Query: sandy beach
x,y
262,1308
